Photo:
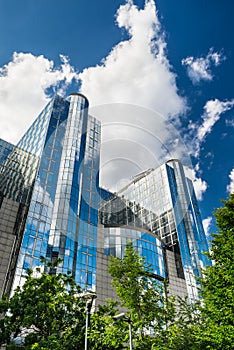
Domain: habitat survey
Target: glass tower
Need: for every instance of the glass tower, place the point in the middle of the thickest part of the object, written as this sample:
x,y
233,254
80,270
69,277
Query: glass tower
x,y
162,203
62,216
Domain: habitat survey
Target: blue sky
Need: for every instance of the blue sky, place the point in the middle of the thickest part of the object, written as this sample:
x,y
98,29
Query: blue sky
x,y
142,66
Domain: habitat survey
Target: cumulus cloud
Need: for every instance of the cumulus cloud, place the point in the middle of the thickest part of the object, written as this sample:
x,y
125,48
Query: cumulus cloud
x,y
200,68
206,224
230,187
200,186
213,110
24,84
135,139
136,71
197,134
134,93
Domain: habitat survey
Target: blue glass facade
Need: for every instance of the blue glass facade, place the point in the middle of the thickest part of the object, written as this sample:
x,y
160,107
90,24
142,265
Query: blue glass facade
x,y
191,237
162,201
147,244
62,216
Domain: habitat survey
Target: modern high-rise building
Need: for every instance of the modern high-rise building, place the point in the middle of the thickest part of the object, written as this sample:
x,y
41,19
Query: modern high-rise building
x,y
159,211
62,205
51,205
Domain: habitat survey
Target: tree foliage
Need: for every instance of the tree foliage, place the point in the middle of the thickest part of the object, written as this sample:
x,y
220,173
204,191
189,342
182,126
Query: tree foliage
x,y
105,333
218,283
157,320
47,312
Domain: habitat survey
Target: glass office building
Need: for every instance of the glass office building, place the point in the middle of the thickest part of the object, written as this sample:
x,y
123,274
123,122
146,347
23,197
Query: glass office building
x,y
62,219
162,201
50,206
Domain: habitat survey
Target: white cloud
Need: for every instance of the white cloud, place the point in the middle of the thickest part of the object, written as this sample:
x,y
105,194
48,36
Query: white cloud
x,y
200,186
230,187
24,83
229,122
213,110
134,139
200,68
136,71
206,224
135,88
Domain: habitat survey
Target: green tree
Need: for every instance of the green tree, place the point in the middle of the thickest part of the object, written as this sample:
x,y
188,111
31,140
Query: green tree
x,y
182,328
105,333
218,283
143,296
47,313
172,321
138,294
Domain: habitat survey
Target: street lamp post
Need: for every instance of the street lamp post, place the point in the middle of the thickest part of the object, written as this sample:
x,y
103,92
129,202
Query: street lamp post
x,y
128,320
89,297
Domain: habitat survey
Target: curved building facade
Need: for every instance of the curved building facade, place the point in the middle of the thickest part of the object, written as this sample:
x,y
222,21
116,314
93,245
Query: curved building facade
x,y
112,241
62,215
163,202
147,244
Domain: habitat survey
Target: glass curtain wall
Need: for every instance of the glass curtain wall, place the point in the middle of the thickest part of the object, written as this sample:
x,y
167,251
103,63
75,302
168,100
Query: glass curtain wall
x,y
66,141
163,202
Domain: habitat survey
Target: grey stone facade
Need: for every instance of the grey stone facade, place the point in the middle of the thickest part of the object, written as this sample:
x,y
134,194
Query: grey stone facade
x,y
176,285
8,213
